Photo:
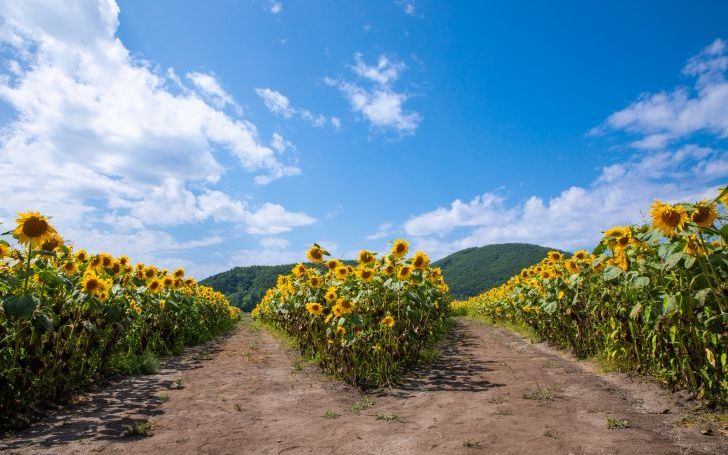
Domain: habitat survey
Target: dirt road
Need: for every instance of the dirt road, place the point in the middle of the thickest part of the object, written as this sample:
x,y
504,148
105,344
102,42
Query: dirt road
x,y
490,391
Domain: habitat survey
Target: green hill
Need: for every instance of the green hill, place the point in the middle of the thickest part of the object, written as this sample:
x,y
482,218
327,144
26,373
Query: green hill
x,y
473,270
468,272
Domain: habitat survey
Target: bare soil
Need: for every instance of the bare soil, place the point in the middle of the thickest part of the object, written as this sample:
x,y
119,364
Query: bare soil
x,y
490,391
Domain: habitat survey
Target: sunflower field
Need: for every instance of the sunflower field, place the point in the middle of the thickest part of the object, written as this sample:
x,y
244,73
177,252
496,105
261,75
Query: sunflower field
x,y
651,298
365,322
68,317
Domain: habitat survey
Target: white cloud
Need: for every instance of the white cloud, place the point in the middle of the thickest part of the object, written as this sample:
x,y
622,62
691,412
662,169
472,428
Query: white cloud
x,y
280,105
408,6
384,230
277,243
275,7
663,117
210,86
576,217
379,102
110,144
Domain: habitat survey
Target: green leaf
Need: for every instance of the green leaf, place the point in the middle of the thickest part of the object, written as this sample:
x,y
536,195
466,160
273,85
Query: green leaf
x,y
20,306
43,322
668,304
636,310
701,295
641,281
673,260
611,273
549,307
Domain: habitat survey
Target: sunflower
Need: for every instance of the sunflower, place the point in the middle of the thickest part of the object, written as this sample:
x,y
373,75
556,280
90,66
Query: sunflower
x,y
179,273
704,214
52,242
343,307
328,318
106,260
554,256
116,267
669,219
342,272
404,272
693,246
388,321
92,284
154,286
168,282
150,272
572,266
340,330
389,269
330,294
299,270
32,227
366,257
365,274
315,254
332,264
421,260
581,255
124,260
400,248
69,267
81,256
4,250
315,281
314,308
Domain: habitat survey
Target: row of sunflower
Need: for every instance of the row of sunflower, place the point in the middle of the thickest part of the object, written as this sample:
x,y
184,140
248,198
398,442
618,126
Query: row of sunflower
x,y
68,317
363,322
651,298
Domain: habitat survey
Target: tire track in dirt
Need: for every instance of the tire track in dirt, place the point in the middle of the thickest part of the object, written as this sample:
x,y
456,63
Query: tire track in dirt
x,y
490,391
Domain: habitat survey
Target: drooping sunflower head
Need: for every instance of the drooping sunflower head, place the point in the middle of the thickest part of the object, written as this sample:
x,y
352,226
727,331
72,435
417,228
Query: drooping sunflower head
x,y
314,308
52,242
421,260
400,248
366,257
315,254
32,227
404,272
179,273
693,246
388,321
115,267
668,219
299,270
704,214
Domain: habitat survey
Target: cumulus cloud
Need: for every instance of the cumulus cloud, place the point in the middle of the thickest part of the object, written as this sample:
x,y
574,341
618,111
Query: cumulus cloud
x,y
109,143
377,101
664,117
275,7
280,105
576,217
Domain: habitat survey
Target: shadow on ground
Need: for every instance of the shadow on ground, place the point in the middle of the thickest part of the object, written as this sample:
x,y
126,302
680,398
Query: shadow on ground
x,y
455,369
107,412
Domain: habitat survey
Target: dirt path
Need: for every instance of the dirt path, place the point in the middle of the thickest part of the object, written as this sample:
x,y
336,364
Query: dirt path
x,y
249,394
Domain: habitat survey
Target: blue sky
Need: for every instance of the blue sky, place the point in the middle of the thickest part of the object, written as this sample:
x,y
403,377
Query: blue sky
x,y
214,134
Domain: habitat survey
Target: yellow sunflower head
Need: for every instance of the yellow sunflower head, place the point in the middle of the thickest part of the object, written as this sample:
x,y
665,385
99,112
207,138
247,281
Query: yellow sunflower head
x,y
315,281
581,255
331,294
150,272
704,214
168,282
554,256
314,308
299,270
693,247
340,330
92,284
69,267
342,272
404,272
32,227
154,286
4,250
668,219
52,242
106,260
315,254
366,257
388,321
572,266
365,274
421,260
179,273
400,248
